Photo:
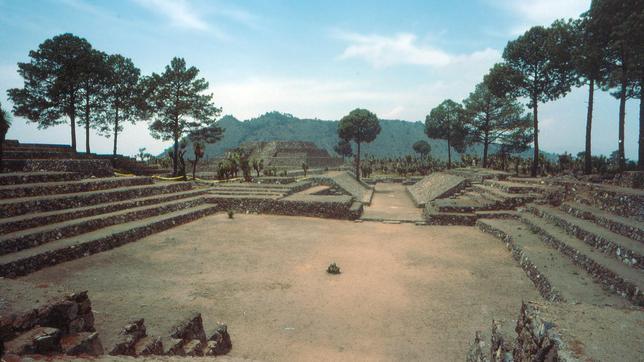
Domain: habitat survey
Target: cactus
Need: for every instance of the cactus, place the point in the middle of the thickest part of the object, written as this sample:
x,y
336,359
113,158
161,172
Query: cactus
x,y
333,269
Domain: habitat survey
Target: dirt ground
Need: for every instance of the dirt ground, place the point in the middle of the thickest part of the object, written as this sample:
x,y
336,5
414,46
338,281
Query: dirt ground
x,y
392,202
406,292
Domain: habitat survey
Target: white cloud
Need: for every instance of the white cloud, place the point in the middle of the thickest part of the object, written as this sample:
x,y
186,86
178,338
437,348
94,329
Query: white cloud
x,y
383,51
540,12
179,12
403,48
327,98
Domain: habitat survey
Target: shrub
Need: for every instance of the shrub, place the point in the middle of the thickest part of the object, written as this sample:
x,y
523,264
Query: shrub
x,y
231,214
333,269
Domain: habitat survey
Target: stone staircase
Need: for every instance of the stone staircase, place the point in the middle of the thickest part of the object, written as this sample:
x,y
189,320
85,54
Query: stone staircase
x,y
35,322
45,323
251,190
188,338
48,218
489,199
580,250
32,157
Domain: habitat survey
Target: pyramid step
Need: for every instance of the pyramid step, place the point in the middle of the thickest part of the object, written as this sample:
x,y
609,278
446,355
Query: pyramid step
x,y
517,187
15,207
148,345
506,199
618,224
628,251
13,242
33,154
556,278
434,217
17,178
252,192
83,343
68,187
622,201
84,166
59,251
611,273
39,340
22,222
252,186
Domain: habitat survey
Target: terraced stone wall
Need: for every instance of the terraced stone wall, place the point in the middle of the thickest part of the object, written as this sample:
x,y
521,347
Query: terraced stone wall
x,y
69,316
85,167
342,209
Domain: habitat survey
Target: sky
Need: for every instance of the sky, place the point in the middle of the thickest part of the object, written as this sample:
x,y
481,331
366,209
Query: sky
x,y
313,59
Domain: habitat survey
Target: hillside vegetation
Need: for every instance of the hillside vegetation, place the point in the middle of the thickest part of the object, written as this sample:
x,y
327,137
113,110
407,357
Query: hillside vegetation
x,y
395,139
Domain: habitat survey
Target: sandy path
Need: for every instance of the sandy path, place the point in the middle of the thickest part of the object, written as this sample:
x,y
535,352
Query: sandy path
x,y
406,292
392,202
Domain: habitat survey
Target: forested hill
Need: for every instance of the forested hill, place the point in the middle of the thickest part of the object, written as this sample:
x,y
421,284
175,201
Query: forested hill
x,y
395,139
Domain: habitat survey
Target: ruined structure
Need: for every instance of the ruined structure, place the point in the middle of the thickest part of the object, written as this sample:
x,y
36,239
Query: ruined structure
x,y
579,243
30,157
291,154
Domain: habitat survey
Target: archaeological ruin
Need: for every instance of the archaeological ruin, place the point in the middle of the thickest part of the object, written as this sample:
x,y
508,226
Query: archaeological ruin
x,y
224,180
579,244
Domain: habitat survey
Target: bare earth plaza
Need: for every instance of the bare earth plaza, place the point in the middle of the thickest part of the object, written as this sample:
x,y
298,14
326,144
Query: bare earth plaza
x,y
190,234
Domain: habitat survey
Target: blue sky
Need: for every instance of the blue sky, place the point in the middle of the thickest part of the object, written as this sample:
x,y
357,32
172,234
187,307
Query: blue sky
x,y
315,59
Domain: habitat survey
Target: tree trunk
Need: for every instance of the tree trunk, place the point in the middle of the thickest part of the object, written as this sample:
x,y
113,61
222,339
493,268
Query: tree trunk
x,y
588,165
449,154
87,111
72,121
116,130
486,144
622,121
194,167
640,153
3,133
175,155
358,162
535,161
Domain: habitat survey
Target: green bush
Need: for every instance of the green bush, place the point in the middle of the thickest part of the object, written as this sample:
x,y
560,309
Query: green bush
x,y
333,269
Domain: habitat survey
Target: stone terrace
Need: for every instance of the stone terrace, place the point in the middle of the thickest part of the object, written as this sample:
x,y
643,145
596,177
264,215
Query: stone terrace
x,y
49,218
31,157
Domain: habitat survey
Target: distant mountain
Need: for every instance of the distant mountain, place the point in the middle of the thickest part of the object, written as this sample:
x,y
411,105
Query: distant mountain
x,y
395,139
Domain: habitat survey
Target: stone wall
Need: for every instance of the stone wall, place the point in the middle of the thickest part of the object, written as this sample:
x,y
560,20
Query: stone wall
x,y
335,208
85,167
434,186
30,264
63,326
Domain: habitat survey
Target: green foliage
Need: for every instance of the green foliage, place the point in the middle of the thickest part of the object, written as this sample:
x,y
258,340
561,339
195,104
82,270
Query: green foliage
x,y
142,155
542,63
94,75
52,82
446,121
395,139
258,166
333,269
565,161
490,117
175,100
121,97
5,123
538,66
231,214
422,148
623,22
360,126
343,148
